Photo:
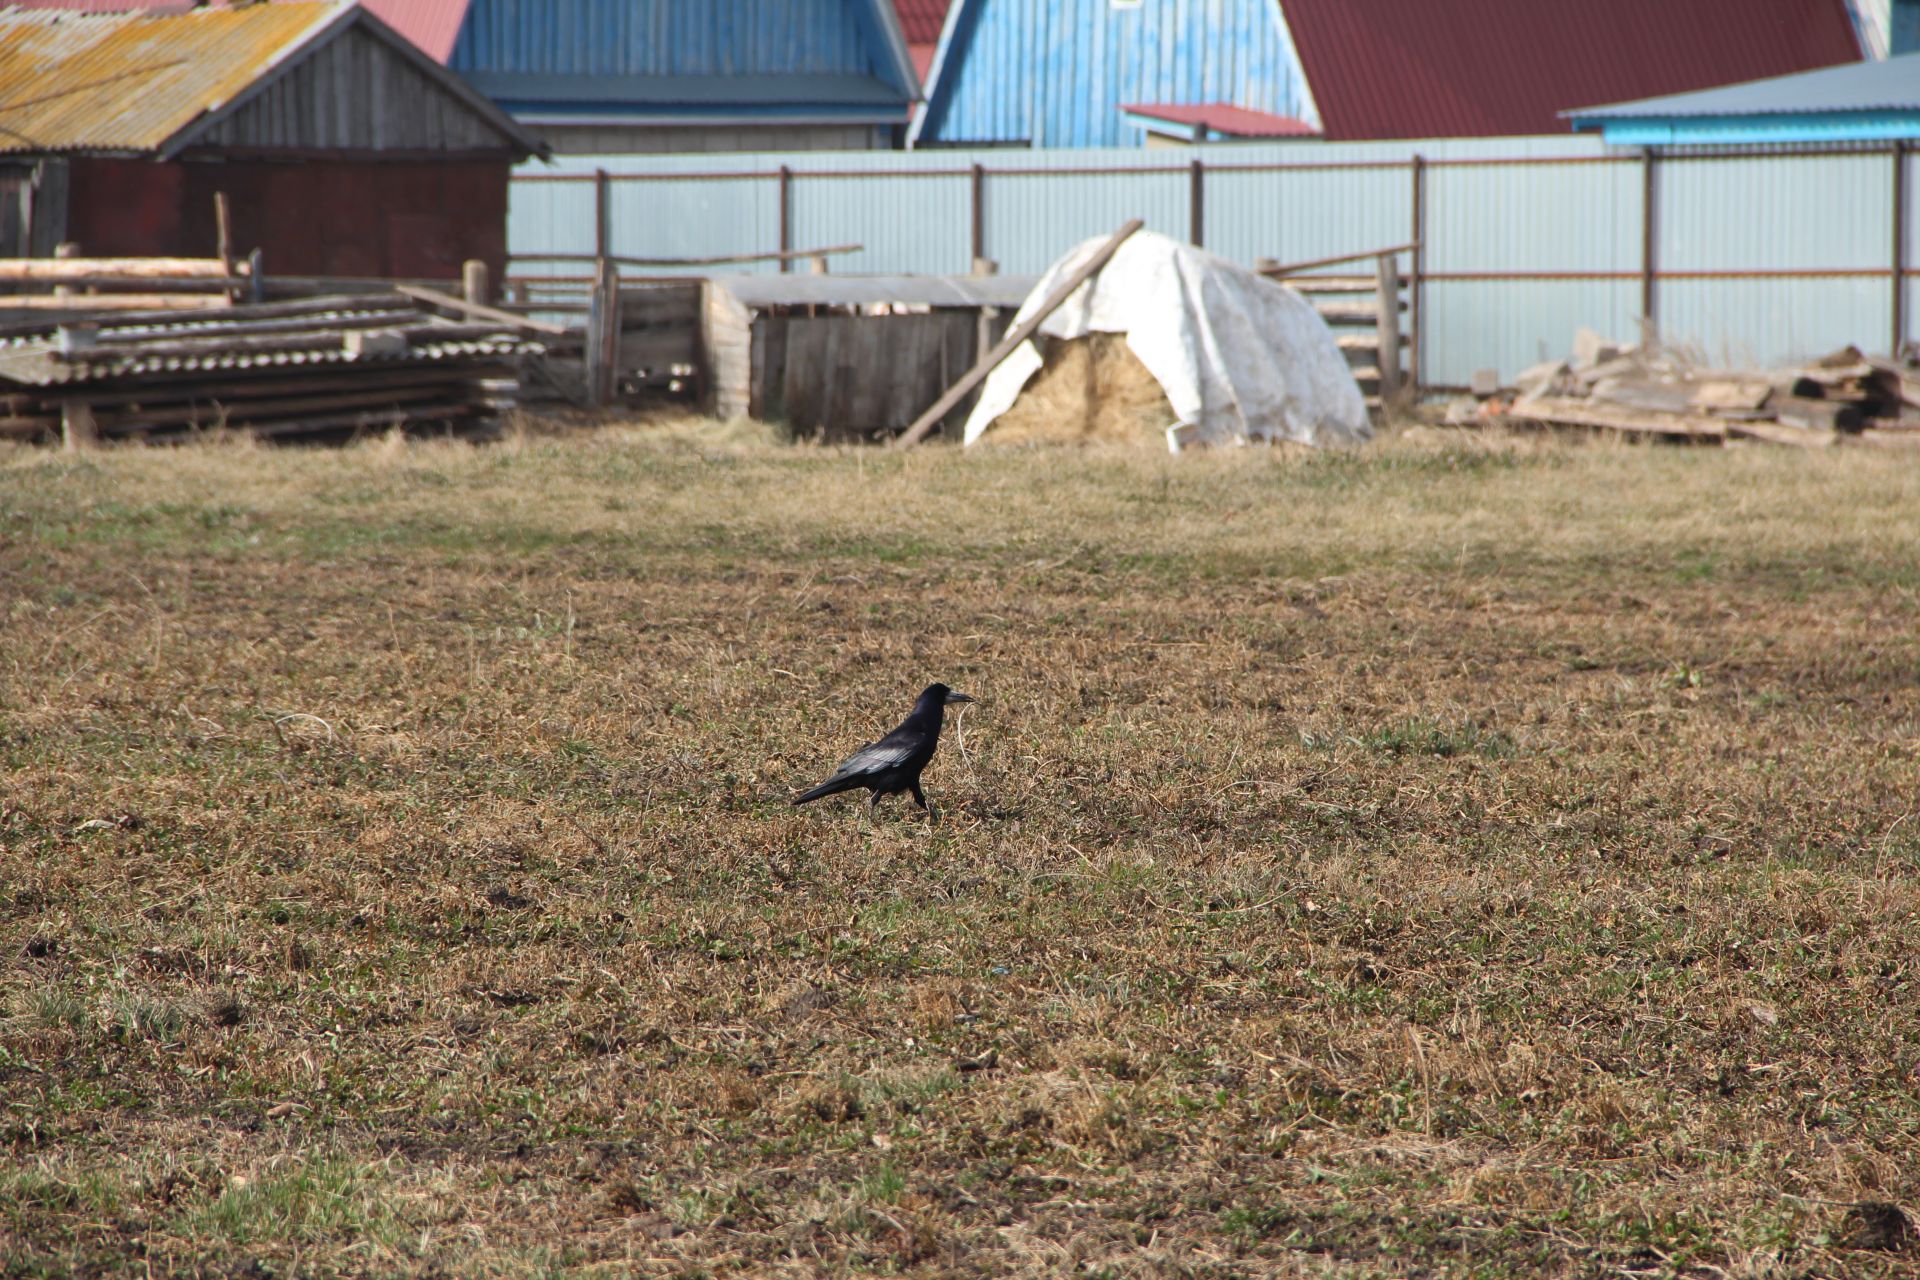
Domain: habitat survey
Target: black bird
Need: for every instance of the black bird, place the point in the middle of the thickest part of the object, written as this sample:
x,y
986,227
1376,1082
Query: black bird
x,y
893,764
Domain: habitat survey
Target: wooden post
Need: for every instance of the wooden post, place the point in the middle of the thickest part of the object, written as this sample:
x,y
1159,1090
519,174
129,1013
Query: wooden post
x,y
786,217
817,264
1387,279
984,318
1417,277
602,214
1015,336
65,249
1649,241
603,319
78,430
977,199
473,282
1197,203
1899,248
223,230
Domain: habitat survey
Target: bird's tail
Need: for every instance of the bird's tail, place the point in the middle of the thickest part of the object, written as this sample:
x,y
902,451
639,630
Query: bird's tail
x,y
824,789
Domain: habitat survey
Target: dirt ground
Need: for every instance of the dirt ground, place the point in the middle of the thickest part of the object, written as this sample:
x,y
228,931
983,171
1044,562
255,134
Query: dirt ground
x,y
1449,858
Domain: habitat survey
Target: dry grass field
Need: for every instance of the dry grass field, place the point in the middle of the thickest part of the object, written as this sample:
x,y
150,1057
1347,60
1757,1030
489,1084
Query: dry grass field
x,y
1446,859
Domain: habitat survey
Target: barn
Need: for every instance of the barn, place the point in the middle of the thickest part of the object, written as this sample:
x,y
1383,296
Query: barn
x,y
341,149
1105,73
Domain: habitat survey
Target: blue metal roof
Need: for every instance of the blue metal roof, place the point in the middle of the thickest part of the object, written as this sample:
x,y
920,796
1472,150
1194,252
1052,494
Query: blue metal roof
x,y
1861,101
743,58
1893,85
1055,73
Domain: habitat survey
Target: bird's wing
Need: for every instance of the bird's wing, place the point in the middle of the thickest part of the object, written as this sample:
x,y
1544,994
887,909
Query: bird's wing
x,y
875,757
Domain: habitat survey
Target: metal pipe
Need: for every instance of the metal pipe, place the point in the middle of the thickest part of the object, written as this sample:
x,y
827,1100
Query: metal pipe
x,y
1899,248
1417,276
1197,203
786,219
1649,231
978,201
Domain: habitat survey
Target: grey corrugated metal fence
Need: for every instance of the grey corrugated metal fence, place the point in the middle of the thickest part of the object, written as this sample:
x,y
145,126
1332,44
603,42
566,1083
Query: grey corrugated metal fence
x,y
1748,256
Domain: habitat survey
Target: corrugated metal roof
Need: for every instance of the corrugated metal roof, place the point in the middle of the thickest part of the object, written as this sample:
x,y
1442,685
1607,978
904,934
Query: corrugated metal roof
x,y
35,359
131,81
1476,68
432,25
1224,117
1893,85
920,20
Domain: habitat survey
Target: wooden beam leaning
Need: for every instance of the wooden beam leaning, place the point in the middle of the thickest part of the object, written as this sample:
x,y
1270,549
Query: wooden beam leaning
x,y
1015,336
479,311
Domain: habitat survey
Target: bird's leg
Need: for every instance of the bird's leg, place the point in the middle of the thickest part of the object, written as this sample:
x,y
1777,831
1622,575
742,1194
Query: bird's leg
x,y
873,798
920,798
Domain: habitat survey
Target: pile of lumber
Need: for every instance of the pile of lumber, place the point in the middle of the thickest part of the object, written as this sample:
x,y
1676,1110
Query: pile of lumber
x,y
323,367
79,287
1653,392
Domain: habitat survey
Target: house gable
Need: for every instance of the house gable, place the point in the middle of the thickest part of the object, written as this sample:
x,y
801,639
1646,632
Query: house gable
x,y
1056,73
357,92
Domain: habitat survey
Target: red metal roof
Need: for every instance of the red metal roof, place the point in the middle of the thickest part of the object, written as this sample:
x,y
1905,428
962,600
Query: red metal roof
x,y
432,25
429,24
1482,68
1223,117
921,20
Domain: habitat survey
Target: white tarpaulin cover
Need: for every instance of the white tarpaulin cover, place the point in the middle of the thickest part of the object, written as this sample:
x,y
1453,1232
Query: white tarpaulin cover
x,y
1240,357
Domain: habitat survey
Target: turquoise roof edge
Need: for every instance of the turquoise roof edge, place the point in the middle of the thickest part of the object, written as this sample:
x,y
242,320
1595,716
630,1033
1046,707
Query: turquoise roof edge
x,y
1823,126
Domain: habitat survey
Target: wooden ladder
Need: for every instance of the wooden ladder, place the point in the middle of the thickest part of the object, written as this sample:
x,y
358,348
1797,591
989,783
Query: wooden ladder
x,y
1367,314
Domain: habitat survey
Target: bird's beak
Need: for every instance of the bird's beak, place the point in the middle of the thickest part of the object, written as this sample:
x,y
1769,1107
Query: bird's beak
x,y
953,697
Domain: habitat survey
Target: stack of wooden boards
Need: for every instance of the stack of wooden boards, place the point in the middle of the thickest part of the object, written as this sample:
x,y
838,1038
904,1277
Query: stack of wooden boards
x,y
1658,393
322,367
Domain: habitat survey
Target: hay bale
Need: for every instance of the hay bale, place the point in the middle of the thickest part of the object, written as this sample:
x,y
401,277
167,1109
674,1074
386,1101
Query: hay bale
x,y
1090,390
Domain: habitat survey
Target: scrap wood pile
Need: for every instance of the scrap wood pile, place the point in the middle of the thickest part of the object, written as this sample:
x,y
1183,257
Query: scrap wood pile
x,y
316,367
1660,393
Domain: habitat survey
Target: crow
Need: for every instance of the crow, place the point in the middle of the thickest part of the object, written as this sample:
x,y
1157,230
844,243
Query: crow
x,y
893,764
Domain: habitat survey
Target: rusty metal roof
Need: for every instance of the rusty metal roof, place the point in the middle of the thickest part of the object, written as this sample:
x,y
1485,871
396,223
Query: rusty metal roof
x,y
133,81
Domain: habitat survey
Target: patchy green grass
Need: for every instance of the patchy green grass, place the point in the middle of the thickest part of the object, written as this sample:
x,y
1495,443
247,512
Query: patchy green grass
x,y
1475,859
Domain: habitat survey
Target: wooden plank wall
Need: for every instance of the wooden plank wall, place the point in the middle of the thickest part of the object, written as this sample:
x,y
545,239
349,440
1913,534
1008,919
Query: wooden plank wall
x,y
356,94
659,327
849,377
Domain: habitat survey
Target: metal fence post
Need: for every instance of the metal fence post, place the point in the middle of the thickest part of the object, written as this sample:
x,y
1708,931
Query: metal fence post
x,y
1197,204
602,214
786,217
1649,241
977,200
1417,274
1899,248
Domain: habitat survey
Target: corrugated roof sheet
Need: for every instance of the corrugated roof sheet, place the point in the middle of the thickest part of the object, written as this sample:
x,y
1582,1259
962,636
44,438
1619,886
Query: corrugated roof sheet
x,y
1479,68
131,81
1893,85
921,20
432,25
1224,117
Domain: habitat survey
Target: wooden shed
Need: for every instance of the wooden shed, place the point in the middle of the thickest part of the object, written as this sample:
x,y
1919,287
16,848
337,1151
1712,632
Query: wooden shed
x,y
341,148
852,356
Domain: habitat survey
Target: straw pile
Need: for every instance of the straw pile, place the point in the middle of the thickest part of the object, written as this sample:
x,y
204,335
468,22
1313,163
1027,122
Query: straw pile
x,y
1091,390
